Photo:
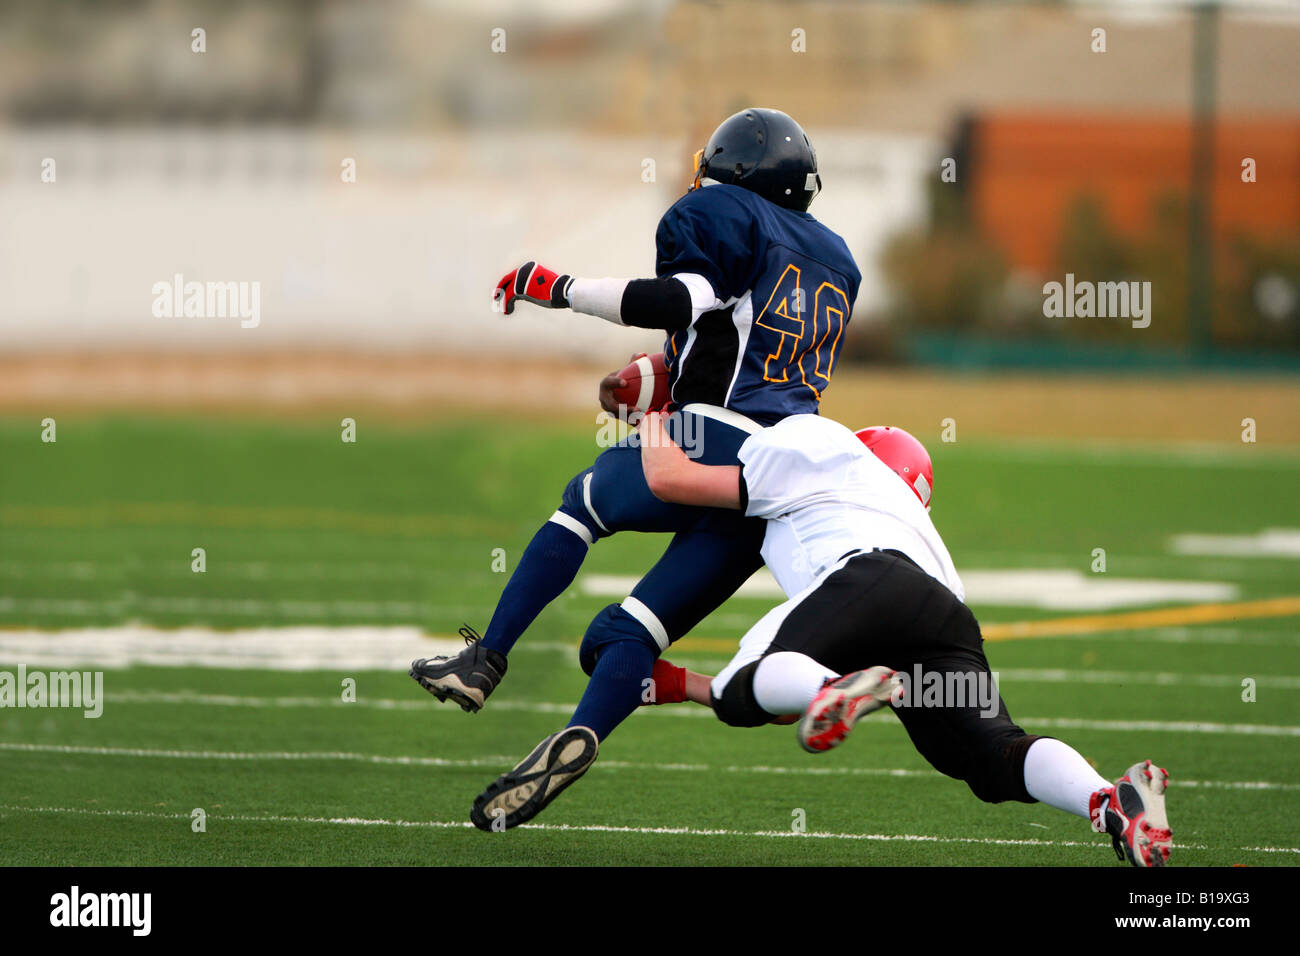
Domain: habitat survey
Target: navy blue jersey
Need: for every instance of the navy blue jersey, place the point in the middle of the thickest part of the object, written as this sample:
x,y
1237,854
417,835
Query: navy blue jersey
x,y
783,287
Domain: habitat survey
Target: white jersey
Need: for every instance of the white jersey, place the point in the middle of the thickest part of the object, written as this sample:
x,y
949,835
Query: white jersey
x,y
824,494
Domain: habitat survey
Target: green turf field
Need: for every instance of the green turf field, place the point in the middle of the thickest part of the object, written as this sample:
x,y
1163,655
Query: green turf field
x,y
302,529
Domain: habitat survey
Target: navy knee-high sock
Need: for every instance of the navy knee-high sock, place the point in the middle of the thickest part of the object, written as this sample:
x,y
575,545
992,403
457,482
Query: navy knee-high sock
x,y
548,566
615,687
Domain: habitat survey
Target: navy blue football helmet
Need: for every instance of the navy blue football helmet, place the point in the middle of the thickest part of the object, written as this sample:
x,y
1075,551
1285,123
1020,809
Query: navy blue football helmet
x,y
764,151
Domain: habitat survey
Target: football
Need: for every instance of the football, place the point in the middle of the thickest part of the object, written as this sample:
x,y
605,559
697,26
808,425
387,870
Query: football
x,y
647,384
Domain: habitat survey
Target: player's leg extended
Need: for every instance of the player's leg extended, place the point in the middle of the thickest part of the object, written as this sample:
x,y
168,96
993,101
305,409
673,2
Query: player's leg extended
x,y
546,569
959,722
879,609
700,569
608,497
980,744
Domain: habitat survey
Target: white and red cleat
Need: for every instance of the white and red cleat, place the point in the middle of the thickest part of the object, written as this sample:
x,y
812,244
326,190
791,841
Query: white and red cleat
x,y
841,703
1133,813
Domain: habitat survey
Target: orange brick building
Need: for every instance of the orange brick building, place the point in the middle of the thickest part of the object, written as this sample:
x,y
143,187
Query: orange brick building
x,y
1025,170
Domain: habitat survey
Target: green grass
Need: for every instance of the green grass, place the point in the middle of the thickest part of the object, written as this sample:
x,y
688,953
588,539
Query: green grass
x,y
300,528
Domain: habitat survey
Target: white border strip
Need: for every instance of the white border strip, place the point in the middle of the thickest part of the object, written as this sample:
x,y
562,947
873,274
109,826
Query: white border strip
x,y
601,828
495,761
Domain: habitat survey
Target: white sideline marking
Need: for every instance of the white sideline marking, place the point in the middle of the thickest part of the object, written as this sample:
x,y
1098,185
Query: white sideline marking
x,y
243,607
601,828
760,585
1175,726
251,570
1199,634
1070,590
1219,551
543,707
1053,590
506,762
1170,454
262,648
352,649
1054,675
493,761
377,703
562,827
1269,543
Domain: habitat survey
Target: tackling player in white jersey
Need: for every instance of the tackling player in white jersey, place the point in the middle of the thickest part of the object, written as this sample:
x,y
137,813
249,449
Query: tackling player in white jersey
x,y
873,596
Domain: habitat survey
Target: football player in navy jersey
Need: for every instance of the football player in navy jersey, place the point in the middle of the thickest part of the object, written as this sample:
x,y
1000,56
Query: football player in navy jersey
x,y
754,295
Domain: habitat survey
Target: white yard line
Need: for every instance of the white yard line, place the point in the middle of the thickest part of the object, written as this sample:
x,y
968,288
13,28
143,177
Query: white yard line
x,y
271,755
1173,454
420,701
504,762
1190,635
1170,726
1269,543
1163,678
544,707
235,607
1057,589
248,570
601,828
350,649
298,648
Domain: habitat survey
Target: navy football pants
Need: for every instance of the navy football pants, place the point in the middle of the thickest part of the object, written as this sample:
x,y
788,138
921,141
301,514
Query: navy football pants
x,y
711,554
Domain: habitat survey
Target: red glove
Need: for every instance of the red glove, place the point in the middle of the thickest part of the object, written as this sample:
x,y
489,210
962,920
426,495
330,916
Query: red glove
x,y
533,283
669,684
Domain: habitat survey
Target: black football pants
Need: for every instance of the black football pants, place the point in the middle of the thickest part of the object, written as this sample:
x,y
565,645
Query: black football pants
x,y
880,608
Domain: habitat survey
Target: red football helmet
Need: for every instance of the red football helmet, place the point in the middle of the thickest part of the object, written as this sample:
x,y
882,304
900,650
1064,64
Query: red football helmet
x,y
905,455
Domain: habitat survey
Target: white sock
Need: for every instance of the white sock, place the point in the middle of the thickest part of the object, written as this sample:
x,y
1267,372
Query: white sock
x,y
1056,775
786,682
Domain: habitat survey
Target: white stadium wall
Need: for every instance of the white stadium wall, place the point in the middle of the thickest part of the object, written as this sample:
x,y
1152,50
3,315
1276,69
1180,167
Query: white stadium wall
x,y
403,259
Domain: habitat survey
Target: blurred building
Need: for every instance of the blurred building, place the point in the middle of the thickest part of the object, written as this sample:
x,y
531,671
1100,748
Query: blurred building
x,y
487,130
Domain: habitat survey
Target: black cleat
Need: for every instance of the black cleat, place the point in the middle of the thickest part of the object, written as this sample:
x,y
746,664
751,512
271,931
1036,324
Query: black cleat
x,y
467,678
519,795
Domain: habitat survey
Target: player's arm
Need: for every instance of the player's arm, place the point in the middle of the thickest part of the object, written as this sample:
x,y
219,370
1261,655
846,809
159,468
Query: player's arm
x,y
673,684
674,478
702,245
666,303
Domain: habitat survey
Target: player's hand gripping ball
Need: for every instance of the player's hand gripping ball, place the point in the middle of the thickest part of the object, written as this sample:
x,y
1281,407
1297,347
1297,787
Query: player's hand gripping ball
x,y
640,387
533,283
